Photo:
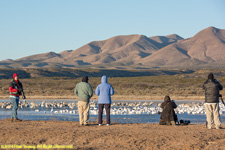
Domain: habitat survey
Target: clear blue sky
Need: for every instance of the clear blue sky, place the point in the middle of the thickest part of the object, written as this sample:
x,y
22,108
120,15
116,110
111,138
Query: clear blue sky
x,y
30,27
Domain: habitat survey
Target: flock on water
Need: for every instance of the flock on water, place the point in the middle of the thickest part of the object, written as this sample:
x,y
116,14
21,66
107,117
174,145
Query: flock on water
x,y
117,108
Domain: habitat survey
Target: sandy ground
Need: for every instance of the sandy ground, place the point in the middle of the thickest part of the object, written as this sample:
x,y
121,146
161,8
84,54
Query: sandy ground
x,y
116,136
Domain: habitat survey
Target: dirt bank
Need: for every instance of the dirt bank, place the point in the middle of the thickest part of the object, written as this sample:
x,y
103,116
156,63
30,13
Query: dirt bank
x,y
116,136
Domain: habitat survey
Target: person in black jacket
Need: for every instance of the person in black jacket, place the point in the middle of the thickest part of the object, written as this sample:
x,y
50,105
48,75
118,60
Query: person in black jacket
x,y
15,90
212,88
168,116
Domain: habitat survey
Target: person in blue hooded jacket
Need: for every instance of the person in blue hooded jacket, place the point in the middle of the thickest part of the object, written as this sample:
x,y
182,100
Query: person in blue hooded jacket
x,y
104,91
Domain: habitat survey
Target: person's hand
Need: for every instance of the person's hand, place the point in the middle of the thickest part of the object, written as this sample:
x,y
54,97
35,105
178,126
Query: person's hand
x,y
19,90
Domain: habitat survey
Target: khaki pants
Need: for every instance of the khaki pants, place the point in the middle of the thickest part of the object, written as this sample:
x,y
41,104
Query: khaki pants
x,y
83,108
212,115
172,123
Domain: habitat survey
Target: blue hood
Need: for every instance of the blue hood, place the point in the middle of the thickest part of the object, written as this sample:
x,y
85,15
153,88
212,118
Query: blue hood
x,y
104,91
104,79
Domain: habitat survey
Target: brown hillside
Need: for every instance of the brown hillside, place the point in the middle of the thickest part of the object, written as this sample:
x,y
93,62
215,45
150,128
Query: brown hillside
x,y
205,48
208,45
40,57
114,49
163,41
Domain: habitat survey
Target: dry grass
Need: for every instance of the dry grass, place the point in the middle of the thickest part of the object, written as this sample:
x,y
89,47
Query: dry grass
x,y
180,86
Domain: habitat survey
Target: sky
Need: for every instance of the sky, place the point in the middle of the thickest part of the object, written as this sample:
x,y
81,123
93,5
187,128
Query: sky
x,y
29,27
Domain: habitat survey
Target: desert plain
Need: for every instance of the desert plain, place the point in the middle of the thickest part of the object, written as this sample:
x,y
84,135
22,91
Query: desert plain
x,y
179,86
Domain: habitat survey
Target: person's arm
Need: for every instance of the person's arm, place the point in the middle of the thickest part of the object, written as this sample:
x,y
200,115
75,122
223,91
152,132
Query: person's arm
x,y
220,86
162,105
111,90
174,104
203,86
97,91
218,83
222,99
12,90
76,91
21,86
90,91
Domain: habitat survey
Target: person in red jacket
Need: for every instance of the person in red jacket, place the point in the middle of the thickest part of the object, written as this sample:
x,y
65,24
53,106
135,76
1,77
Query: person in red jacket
x,y
15,89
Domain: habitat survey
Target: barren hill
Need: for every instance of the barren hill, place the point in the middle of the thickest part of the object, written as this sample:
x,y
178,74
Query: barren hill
x,y
206,48
163,41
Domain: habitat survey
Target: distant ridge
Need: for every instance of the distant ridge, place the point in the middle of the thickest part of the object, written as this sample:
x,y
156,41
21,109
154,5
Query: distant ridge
x,y
7,60
205,49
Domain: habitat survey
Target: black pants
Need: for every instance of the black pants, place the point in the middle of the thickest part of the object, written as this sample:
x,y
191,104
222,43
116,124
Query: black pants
x,y
100,112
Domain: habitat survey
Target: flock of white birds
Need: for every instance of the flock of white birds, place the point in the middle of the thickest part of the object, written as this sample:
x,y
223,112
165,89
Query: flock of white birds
x,y
117,108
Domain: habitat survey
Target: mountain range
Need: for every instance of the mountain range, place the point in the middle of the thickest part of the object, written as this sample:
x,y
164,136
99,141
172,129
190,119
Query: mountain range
x,y
205,49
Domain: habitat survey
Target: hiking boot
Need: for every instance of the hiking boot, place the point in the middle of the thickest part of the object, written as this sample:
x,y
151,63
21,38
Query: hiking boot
x,y
16,120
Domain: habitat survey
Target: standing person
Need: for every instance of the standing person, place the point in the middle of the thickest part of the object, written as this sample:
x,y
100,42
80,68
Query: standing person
x,y
104,91
15,89
212,88
168,116
84,92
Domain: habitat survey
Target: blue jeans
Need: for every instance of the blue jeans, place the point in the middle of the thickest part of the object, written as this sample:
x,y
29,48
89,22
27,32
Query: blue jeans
x,y
15,102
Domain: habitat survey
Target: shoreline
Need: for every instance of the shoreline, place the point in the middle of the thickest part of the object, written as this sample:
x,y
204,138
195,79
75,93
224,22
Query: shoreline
x,y
95,123
115,97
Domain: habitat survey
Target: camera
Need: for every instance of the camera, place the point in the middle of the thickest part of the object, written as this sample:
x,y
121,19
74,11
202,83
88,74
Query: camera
x,y
185,122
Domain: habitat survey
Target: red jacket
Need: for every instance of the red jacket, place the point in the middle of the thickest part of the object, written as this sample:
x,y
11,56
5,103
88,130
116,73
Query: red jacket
x,y
14,87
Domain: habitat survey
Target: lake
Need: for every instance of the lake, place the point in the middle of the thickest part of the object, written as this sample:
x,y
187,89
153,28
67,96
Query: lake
x,y
138,111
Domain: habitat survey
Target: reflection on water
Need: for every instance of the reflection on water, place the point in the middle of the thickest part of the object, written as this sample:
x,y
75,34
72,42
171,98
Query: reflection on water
x,y
121,112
